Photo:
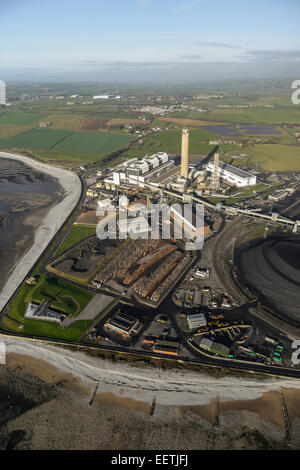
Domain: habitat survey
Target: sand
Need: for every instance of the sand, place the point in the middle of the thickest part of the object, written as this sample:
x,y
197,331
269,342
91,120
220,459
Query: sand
x,y
178,386
101,404
268,406
50,224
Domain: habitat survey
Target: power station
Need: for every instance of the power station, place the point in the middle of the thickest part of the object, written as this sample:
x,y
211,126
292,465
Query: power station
x,y
160,171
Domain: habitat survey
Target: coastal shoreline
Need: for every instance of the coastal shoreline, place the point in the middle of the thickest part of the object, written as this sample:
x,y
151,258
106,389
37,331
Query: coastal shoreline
x,y
170,386
51,222
18,235
120,406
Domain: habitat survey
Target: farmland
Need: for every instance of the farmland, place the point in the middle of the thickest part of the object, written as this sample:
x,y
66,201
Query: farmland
x,y
64,121
20,118
92,124
10,130
170,141
62,144
180,121
228,115
117,122
84,130
249,115
274,157
35,139
276,115
92,142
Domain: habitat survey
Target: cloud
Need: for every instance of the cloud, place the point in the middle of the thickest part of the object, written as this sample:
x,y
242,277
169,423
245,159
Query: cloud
x,y
273,55
202,43
215,44
184,6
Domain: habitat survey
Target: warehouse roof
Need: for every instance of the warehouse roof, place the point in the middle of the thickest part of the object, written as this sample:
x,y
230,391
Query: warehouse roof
x,y
236,171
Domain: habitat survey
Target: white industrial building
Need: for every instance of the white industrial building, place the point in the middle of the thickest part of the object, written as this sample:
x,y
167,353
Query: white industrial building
x,y
41,311
189,221
123,324
142,171
106,205
136,228
106,97
232,174
196,320
214,347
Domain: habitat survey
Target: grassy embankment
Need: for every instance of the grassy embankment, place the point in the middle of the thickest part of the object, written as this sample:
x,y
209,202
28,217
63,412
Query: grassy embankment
x,y
63,297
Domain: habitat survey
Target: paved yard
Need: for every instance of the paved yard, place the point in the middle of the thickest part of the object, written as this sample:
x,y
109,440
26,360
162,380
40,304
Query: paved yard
x,y
93,308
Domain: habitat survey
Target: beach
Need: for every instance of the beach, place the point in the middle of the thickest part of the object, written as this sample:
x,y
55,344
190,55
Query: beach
x,y
100,404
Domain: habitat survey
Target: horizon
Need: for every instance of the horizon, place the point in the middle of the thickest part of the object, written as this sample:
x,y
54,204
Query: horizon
x,y
143,41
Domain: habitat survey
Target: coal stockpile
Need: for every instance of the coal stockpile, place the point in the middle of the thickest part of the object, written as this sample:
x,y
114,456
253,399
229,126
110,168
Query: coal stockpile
x,y
271,269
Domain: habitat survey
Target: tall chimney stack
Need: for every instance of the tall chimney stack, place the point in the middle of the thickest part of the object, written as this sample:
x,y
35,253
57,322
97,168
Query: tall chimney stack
x,y
185,153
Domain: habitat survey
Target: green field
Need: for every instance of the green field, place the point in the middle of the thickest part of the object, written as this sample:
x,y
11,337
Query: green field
x,y
170,141
47,329
20,118
94,142
276,115
35,139
68,299
10,130
65,121
65,145
227,115
249,115
65,298
65,158
274,157
77,233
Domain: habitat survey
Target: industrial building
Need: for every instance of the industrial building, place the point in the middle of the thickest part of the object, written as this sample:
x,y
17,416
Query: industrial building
x,y
202,273
196,320
214,347
106,205
281,194
142,171
106,97
41,311
134,227
232,174
166,347
186,219
123,324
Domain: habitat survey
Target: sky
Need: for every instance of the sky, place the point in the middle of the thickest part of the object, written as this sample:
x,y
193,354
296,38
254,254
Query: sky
x,y
161,41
